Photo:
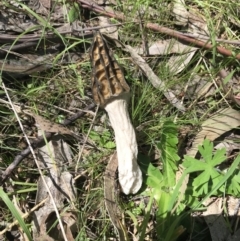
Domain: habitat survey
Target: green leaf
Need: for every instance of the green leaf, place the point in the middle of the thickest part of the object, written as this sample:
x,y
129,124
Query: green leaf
x,y
210,176
73,13
109,145
202,183
154,177
233,185
219,157
168,147
223,180
193,164
206,151
94,136
102,139
228,77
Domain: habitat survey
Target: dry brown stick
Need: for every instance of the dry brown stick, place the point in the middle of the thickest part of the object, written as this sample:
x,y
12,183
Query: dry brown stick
x,y
24,216
86,32
39,141
153,78
77,115
193,41
6,49
198,36
175,34
144,39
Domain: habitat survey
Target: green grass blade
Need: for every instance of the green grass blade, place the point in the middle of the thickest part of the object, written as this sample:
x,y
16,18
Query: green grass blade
x,y
42,21
15,213
146,219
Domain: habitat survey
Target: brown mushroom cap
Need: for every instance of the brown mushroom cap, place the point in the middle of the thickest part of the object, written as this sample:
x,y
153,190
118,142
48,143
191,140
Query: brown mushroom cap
x,y
108,80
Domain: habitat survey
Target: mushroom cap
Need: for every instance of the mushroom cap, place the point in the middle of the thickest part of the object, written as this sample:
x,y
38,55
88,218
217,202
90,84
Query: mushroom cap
x,y
108,80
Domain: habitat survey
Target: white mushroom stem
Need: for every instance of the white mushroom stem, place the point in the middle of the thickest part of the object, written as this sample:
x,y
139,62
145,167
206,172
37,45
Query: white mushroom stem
x,y
130,175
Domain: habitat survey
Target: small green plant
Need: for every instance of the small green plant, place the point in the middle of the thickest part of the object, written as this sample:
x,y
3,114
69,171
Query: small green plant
x,y
206,179
210,179
163,182
103,139
209,175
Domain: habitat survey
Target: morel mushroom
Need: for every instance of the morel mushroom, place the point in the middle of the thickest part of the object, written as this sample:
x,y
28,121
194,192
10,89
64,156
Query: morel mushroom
x,y
111,92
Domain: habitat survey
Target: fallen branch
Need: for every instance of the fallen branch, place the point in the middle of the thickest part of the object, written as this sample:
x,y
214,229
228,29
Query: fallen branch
x,y
83,33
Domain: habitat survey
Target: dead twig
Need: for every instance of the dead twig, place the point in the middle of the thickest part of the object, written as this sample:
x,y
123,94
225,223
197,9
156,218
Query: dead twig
x,y
156,82
198,36
144,39
24,216
87,32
